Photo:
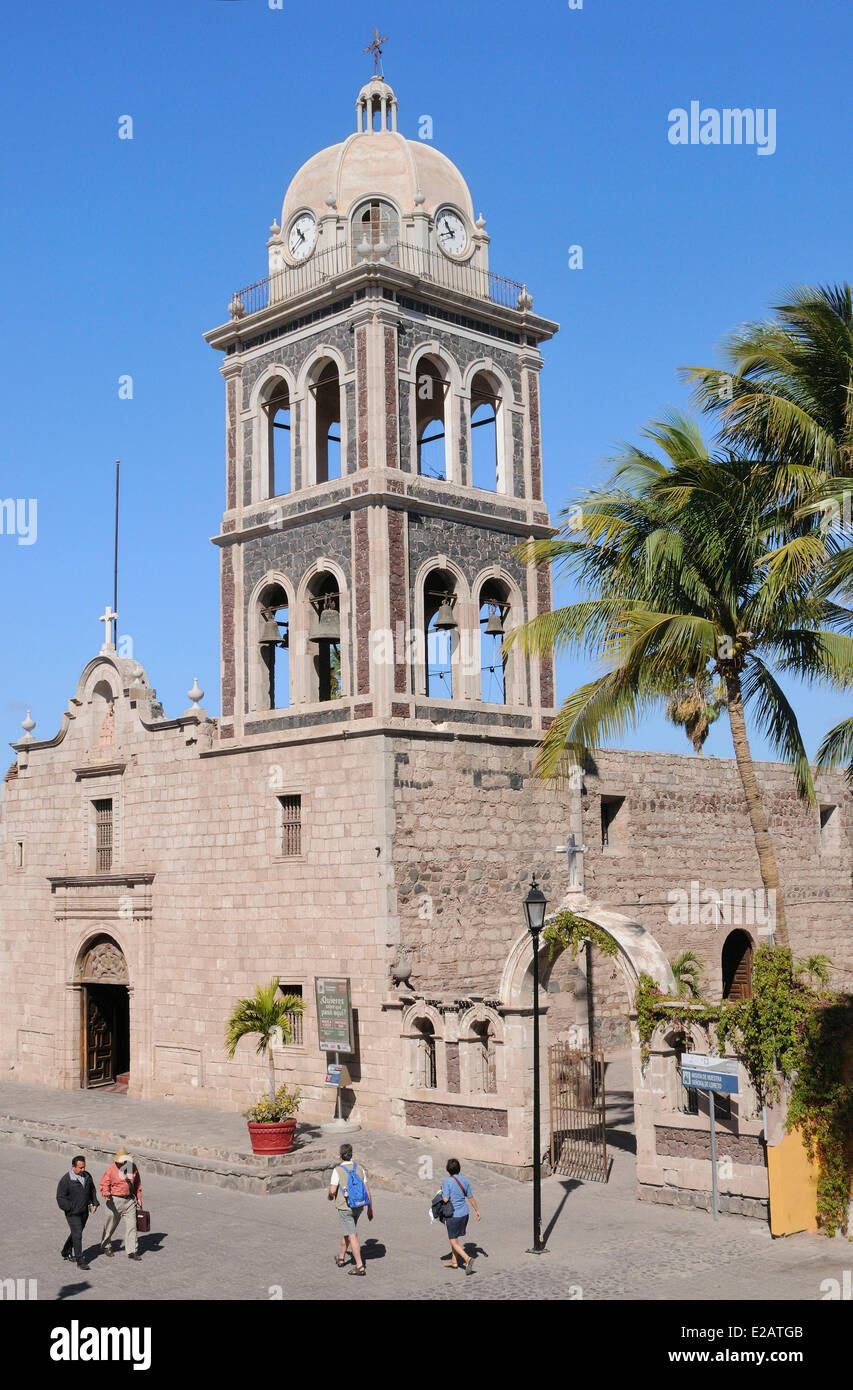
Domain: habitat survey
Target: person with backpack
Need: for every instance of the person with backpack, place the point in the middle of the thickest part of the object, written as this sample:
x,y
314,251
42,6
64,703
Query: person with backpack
x,y
457,1191
350,1193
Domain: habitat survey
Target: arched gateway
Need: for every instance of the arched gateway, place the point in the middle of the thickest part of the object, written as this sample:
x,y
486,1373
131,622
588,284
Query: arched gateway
x,y
573,1084
639,953
104,1013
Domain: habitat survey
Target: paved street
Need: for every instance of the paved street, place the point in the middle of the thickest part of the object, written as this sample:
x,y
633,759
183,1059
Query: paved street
x,y
212,1243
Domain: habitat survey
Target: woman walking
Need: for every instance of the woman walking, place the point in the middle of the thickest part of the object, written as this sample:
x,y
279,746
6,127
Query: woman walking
x,y
457,1190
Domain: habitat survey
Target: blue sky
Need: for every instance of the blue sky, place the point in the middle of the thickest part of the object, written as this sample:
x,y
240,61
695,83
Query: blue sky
x,y
118,254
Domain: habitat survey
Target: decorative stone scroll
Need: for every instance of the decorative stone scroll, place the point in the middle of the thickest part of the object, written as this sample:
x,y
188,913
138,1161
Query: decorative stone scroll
x,y
105,964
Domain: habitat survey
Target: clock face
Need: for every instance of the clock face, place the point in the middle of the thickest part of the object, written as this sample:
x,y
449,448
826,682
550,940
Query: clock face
x,y
302,236
451,233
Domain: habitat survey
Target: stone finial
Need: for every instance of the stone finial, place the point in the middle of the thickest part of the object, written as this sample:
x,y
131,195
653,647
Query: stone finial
x,y
419,199
236,308
480,224
331,200
373,251
275,228
195,693
28,725
525,300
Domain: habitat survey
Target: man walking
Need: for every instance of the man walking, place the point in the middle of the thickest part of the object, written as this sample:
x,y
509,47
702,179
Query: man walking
x,y
75,1194
121,1186
349,1191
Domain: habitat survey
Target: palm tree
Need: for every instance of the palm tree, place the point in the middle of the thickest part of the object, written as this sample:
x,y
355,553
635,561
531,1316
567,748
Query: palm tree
x,y
695,707
687,971
786,392
267,1015
693,573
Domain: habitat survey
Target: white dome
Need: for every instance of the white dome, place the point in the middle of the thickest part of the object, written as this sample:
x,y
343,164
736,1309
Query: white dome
x,y
380,162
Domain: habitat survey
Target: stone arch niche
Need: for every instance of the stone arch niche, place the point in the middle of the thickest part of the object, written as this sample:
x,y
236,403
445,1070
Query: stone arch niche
x,y
104,982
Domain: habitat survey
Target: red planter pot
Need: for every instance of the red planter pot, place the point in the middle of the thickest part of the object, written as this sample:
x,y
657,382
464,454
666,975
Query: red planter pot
x,y
272,1138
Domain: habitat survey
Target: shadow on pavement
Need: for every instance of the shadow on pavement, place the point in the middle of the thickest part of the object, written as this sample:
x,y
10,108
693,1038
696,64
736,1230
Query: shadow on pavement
x,y
568,1185
72,1290
373,1249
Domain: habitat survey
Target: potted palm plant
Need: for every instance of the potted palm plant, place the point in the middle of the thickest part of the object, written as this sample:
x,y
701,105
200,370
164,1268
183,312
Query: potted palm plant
x,y
267,1016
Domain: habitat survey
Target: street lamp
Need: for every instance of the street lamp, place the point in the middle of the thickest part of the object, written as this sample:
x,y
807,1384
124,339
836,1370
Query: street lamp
x,y
534,912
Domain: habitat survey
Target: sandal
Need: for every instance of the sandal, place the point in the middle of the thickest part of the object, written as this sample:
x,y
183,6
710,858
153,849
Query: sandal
x,y
340,1262
359,1269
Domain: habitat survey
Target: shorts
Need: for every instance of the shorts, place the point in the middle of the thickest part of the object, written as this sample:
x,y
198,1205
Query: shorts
x,y
456,1226
348,1217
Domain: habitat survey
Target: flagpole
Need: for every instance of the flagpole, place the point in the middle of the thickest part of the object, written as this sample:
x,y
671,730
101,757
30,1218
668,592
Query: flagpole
x,y
115,569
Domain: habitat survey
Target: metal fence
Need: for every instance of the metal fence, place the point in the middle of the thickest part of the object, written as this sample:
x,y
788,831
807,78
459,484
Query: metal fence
x,y
429,266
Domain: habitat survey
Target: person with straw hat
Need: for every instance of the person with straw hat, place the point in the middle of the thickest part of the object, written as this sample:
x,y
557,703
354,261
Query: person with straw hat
x,y
121,1187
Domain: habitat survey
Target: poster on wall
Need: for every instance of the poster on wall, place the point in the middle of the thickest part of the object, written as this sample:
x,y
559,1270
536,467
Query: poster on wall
x,y
334,1014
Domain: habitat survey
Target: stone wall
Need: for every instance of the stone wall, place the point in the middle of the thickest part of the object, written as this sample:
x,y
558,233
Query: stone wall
x,y
684,821
224,910
472,824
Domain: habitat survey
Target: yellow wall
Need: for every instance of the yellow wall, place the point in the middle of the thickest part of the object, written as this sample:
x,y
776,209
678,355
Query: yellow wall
x,y
793,1187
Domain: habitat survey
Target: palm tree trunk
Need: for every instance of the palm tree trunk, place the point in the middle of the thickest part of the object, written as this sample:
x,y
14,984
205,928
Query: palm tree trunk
x,y
757,815
272,1070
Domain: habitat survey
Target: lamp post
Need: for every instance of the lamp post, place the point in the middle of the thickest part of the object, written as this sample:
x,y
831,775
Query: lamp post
x,y
534,912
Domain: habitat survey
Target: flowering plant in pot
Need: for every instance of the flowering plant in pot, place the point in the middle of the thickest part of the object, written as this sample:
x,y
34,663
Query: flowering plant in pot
x,y
267,1016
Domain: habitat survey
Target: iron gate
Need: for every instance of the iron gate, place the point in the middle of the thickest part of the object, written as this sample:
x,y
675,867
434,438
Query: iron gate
x,y
578,1135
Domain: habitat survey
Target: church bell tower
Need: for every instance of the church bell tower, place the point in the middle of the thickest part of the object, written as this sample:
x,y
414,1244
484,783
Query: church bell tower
x,y
383,456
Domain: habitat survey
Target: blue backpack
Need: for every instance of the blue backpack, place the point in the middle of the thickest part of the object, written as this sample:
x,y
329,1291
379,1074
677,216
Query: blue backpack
x,y
356,1190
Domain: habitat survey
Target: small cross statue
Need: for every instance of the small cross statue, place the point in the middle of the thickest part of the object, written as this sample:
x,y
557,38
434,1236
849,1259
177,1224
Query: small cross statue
x,y
575,853
376,49
108,616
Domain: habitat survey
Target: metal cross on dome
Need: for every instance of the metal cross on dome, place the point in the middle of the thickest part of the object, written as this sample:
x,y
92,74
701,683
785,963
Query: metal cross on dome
x,y
376,49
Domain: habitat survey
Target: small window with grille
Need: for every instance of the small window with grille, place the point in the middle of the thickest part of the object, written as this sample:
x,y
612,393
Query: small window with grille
x,y
291,826
297,1036
103,810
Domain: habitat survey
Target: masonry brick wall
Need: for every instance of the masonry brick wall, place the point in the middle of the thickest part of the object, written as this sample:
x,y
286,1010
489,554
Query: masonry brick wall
x,y
472,824
696,1143
684,820
467,1119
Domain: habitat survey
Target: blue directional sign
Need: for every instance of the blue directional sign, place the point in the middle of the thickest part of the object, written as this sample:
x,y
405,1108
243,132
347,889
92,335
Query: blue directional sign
x,y
709,1073
709,1080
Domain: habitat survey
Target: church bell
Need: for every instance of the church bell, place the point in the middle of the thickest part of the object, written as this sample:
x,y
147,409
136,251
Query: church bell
x,y
325,625
494,625
444,619
270,631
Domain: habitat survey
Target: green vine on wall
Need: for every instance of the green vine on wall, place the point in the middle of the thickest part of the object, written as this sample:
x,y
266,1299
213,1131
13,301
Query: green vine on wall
x,y
794,1038
568,932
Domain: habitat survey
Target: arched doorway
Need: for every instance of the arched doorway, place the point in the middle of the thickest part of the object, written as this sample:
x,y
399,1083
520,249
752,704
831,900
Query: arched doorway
x,y
737,966
104,1015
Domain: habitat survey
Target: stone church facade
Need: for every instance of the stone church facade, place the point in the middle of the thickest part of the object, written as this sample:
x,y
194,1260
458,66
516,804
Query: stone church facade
x,y
364,806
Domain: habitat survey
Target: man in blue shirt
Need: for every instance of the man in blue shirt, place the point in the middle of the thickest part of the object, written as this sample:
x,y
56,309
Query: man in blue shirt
x,y
457,1190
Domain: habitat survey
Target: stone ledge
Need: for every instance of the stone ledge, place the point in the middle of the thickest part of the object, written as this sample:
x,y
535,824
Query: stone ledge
x,y
756,1207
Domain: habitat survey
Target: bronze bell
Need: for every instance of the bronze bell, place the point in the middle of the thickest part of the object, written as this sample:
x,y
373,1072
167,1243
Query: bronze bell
x,y
270,631
444,619
494,626
325,625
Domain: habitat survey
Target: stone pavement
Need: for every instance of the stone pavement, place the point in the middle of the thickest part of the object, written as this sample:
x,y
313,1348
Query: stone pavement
x,y
210,1242
204,1146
